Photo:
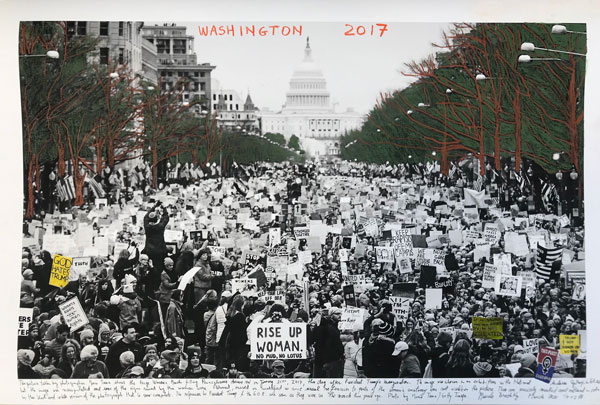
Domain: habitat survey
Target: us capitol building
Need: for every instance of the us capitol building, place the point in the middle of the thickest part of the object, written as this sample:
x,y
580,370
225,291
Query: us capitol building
x,y
308,112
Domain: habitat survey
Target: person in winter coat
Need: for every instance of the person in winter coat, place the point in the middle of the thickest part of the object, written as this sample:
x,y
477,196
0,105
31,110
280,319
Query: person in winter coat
x,y
528,366
168,284
329,350
90,366
202,279
459,364
24,360
174,323
69,357
124,265
127,343
377,351
28,289
130,307
154,228
440,355
410,366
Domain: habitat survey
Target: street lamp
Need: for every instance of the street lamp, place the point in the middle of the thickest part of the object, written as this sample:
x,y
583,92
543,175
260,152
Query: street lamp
x,y
114,75
527,59
561,29
556,156
409,112
433,153
422,105
49,54
574,175
449,91
530,47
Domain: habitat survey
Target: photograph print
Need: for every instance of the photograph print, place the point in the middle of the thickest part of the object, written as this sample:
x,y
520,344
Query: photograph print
x,y
307,200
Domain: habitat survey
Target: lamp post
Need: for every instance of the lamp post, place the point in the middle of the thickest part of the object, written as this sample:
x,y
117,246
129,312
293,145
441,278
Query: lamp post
x,y
530,47
49,54
527,59
561,29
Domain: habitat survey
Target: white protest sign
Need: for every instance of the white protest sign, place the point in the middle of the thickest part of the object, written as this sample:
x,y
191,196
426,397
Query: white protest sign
x,y
79,267
245,286
119,246
274,236
529,277
384,254
25,318
503,263
400,307
516,243
352,319
433,298
277,297
488,279
456,237
271,341
579,292
187,278
531,346
343,255
508,285
404,265
73,313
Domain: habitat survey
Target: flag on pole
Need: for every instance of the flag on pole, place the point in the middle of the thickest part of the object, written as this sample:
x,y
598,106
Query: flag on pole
x,y
95,184
544,260
478,183
65,188
549,196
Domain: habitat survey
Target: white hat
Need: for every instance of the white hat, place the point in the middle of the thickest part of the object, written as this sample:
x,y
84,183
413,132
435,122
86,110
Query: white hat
x,y
400,347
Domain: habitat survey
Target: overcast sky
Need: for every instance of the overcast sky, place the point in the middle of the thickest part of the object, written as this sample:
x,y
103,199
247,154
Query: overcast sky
x,y
357,68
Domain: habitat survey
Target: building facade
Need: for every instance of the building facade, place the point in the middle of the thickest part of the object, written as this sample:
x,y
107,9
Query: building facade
x,y
233,113
308,112
176,60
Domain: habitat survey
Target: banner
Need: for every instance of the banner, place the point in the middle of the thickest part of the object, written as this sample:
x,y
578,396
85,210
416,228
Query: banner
x,y
271,341
276,297
487,328
73,314
546,363
61,267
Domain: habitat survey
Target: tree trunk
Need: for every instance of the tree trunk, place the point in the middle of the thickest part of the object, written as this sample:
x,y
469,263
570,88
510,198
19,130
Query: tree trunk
x,y
517,111
30,196
99,160
154,168
572,120
111,154
61,164
78,181
497,139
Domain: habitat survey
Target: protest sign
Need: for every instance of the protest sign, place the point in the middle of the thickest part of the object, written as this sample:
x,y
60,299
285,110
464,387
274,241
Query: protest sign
x,y
25,318
446,284
79,267
427,276
405,290
456,237
508,285
400,307
276,298
244,286
271,341
61,267
579,292
433,298
349,295
274,236
404,266
73,313
173,236
530,346
384,254
528,277
352,319
487,328
488,279
516,243
569,344
343,255
546,363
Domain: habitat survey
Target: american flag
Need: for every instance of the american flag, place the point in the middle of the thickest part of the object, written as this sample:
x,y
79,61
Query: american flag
x,y
452,171
549,196
95,184
544,260
478,183
65,188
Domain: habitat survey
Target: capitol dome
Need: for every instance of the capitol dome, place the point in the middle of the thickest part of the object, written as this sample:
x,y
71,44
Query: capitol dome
x,y
308,87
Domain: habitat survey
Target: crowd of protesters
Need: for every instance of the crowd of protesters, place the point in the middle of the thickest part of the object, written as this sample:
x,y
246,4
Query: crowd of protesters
x,y
142,325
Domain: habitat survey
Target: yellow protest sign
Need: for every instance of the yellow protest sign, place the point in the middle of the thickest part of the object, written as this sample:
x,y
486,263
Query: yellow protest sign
x,y
61,267
569,344
487,328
